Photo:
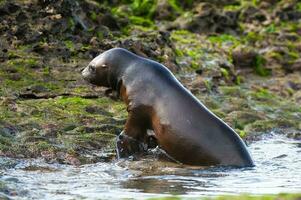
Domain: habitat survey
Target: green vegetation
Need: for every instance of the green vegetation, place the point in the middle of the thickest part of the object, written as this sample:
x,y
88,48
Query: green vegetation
x,y
70,45
143,7
140,21
225,39
259,66
62,123
175,5
253,37
271,28
298,6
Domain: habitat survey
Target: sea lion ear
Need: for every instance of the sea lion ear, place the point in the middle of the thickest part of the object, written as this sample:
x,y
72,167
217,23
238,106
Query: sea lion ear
x,y
103,66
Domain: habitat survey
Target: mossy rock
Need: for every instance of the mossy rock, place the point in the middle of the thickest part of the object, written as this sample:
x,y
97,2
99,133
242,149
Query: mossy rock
x,y
239,119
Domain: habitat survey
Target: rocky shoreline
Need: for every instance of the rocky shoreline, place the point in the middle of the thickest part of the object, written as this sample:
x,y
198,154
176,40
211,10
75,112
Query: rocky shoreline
x,y
240,58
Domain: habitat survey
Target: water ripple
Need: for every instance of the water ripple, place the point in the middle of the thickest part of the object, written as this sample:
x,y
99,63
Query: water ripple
x,y
278,169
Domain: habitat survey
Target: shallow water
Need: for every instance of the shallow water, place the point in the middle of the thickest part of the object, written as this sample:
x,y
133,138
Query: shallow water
x,y
278,169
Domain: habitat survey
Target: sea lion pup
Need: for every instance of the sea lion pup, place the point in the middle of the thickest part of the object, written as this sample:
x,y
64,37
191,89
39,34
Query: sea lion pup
x,y
157,102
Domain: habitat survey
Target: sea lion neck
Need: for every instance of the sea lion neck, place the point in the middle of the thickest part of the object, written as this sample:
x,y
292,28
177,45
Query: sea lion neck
x,y
119,60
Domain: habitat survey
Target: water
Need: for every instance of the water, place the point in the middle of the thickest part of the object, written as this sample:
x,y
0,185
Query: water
x,y
278,169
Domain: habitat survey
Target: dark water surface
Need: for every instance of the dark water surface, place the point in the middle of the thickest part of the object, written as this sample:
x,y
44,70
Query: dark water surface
x,y
278,169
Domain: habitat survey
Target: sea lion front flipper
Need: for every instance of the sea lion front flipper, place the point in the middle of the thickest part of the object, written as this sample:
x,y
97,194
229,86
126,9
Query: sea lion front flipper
x,y
127,146
132,139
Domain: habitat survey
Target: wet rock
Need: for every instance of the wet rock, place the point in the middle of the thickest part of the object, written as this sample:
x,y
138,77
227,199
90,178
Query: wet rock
x,y
30,126
100,156
72,160
251,14
266,4
206,18
164,11
280,156
287,11
244,57
11,70
239,119
9,8
155,45
69,127
297,97
288,36
40,48
4,191
137,47
22,16
294,85
48,155
7,163
8,131
15,77
49,130
218,3
107,128
294,135
296,66
53,24
37,89
96,110
109,21
198,84
66,158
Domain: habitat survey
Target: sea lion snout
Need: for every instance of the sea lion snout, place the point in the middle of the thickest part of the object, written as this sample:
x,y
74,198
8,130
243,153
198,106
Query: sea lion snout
x,y
97,72
87,73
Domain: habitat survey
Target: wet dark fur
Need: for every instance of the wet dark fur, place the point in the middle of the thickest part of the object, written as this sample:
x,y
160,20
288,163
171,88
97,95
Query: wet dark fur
x,y
157,101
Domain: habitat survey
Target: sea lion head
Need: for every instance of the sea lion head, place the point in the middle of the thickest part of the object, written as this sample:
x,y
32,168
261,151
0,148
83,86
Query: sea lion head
x,y
106,69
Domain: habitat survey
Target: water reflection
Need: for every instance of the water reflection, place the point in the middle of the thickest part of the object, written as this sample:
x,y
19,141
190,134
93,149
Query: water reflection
x,y
278,169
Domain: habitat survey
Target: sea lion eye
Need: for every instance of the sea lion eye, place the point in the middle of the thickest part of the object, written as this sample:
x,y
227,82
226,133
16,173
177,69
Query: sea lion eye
x,y
92,68
103,65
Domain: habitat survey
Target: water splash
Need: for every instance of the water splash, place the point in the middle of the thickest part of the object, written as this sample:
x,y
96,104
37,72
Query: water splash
x,y
278,169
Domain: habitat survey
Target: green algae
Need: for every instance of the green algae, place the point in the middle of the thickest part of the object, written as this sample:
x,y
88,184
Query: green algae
x,y
184,36
188,46
260,66
71,23
5,143
252,37
93,16
271,28
140,21
258,110
69,122
175,5
298,6
225,38
225,73
144,8
70,45
233,91
232,7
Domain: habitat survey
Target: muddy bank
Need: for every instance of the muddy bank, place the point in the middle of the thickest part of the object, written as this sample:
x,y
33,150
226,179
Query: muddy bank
x,y
241,58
